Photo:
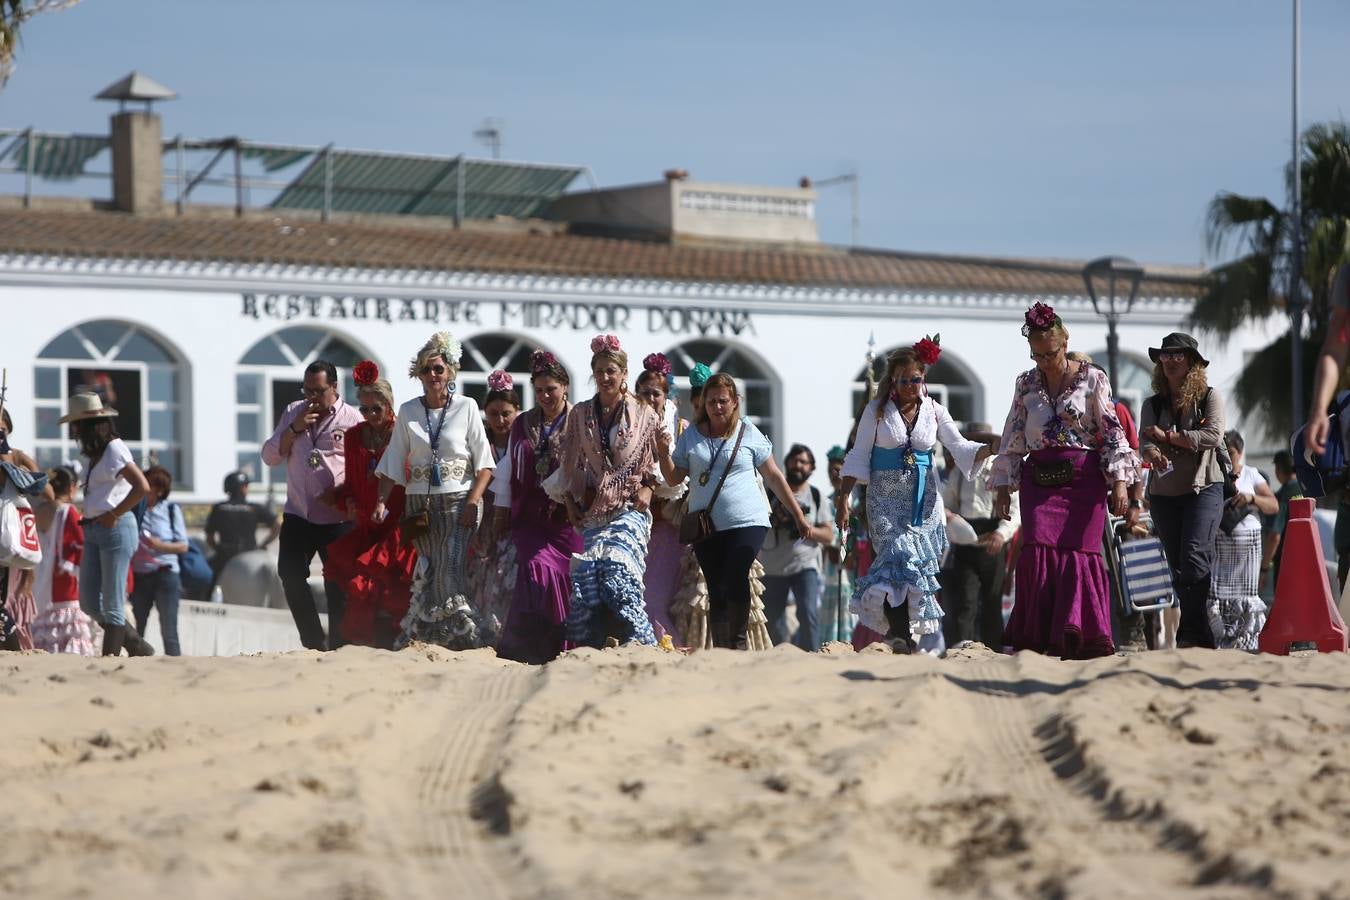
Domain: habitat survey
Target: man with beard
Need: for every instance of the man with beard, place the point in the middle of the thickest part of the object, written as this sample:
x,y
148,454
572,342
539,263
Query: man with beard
x,y
792,565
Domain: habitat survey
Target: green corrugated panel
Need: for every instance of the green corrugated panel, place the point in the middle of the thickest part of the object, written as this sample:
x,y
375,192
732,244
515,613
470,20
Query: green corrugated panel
x,y
407,185
56,157
274,158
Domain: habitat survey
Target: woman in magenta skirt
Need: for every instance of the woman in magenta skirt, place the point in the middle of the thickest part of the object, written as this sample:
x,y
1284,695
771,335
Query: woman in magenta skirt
x,y
545,540
1064,449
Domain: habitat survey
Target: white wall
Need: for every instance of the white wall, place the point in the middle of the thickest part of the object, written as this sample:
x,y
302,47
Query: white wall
x,y
813,342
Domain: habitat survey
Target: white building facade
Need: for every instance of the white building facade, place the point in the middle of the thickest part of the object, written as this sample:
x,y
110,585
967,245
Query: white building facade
x,y
199,357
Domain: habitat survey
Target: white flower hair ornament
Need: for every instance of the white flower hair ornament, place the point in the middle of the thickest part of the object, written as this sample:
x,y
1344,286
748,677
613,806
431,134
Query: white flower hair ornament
x,y
442,344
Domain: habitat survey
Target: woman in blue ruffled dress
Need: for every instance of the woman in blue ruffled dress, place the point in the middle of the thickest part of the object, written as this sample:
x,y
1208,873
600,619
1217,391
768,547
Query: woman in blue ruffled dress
x,y
893,455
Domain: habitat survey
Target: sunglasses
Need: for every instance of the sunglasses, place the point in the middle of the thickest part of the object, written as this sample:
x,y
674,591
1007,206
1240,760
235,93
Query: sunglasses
x,y
433,370
917,379
1047,355
370,410
313,392
1172,356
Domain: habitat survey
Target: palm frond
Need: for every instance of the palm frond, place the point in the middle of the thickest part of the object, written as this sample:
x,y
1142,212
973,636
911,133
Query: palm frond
x,y
1231,218
1262,392
1236,292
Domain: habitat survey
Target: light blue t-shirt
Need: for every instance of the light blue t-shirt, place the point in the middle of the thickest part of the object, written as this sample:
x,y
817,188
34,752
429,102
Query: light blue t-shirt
x,y
741,503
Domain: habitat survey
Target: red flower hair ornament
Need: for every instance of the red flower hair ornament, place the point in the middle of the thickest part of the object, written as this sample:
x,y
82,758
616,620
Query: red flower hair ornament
x,y
541,362
656,362
929,349
500,381
365,373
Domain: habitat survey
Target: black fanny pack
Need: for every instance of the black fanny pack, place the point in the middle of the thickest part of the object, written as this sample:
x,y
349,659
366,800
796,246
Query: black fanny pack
x,y
1052,474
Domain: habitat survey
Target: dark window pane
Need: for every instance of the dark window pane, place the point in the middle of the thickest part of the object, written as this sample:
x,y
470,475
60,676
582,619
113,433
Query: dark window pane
x,y
162,425
163,384
104,334
265,353
301,339
142,348
48,456
246,427
247,388
48,424
66,346
47,383
250,463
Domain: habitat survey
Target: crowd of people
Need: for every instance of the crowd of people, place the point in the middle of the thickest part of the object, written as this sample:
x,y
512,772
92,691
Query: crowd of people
x,y
606,519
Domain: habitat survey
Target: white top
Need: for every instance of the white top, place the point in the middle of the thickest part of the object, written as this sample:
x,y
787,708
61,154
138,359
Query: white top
x,y
464,447
104,490
1247,481
501,477
971,498
933,424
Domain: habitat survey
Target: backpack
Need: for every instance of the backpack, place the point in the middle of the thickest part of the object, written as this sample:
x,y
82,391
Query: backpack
x,y
1322,474
193,570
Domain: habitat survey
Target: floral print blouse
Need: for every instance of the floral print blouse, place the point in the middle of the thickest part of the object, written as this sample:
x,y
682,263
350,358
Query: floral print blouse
x,y
1081,416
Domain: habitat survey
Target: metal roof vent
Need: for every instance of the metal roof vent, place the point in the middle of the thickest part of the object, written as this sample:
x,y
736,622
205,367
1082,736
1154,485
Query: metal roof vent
x,y
136,86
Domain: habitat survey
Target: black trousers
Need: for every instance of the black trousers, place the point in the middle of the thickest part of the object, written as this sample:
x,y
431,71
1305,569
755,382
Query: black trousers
x,y
725,559
300,540
1187,526
972,592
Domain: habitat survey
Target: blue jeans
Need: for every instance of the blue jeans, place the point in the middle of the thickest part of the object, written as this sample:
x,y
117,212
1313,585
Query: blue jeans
x,y
103,569
805,589
160,589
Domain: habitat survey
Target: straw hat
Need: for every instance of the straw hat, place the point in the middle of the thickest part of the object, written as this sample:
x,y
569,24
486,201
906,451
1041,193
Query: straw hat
x,y
87,406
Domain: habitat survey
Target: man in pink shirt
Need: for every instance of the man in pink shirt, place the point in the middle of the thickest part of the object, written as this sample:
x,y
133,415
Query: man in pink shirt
x,y
309,440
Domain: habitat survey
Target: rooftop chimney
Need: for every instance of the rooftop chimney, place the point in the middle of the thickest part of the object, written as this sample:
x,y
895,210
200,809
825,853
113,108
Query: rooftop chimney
x,y
137,144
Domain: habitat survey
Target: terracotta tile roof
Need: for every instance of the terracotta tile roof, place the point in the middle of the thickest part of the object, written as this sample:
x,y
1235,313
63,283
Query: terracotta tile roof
x,y
283,240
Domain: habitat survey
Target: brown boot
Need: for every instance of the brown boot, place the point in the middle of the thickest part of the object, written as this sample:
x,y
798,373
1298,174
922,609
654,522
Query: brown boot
x,y
113,636
135,644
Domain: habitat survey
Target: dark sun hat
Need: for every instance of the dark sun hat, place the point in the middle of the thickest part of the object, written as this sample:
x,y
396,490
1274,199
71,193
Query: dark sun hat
x,y
1178,341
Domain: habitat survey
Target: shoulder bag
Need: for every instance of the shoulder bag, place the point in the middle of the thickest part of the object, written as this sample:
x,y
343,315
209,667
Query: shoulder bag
x,y
697,525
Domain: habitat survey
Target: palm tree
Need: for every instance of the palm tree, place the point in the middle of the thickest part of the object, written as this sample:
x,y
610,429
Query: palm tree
x,y
13,13
1253,286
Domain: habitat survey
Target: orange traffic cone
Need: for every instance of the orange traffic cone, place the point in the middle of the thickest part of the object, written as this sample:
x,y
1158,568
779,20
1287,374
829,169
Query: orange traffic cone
x,y
1305,616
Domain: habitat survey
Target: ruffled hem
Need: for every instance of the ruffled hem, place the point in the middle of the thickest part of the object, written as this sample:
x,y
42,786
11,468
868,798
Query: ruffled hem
x,y
63,628
1237,622
910,564
1120,464
1063,604
450,622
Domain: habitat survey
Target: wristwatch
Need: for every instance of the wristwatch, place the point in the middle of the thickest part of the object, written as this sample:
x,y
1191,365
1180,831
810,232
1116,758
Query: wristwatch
x,y
1136,503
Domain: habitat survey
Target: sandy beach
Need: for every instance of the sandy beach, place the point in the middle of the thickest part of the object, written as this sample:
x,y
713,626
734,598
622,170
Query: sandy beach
x,y
638,773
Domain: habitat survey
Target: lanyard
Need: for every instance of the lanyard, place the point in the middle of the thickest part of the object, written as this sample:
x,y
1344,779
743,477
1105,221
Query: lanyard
x,y
434,434
606,426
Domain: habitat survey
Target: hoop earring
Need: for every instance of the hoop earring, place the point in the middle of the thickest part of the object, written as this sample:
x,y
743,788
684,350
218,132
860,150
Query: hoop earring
x,y
450,388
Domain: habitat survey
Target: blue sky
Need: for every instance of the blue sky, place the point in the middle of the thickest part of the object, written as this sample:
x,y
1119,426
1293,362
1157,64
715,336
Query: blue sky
x,y
1043,128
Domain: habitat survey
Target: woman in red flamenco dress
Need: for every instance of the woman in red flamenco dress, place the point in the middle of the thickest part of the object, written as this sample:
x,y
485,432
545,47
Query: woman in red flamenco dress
x,y
370,561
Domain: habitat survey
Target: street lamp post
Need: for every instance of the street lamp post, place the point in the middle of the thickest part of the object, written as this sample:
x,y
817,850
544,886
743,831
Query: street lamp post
x,y
1112,273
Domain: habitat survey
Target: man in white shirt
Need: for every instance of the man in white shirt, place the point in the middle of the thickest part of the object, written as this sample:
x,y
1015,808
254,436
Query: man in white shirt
x,y
972,579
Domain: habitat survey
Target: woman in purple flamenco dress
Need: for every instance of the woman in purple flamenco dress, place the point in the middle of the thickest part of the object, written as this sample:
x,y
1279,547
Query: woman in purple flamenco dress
x,y
1064,449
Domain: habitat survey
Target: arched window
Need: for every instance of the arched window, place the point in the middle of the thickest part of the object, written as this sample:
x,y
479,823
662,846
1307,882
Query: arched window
x,y
269,379
136,373
950,382
757,383
485,353
1135,381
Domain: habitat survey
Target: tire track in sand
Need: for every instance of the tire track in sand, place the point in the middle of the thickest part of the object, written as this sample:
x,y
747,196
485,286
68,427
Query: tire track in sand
x,y
458,798
1037,749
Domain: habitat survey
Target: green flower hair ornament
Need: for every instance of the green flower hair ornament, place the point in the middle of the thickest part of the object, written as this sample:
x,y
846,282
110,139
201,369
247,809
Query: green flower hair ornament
x,y
442,344
699,376
836,453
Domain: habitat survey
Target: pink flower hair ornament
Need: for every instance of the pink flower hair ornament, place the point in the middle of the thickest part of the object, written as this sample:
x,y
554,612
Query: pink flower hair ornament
x,y
1040,317
605,343
929,349
500,381
656,362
